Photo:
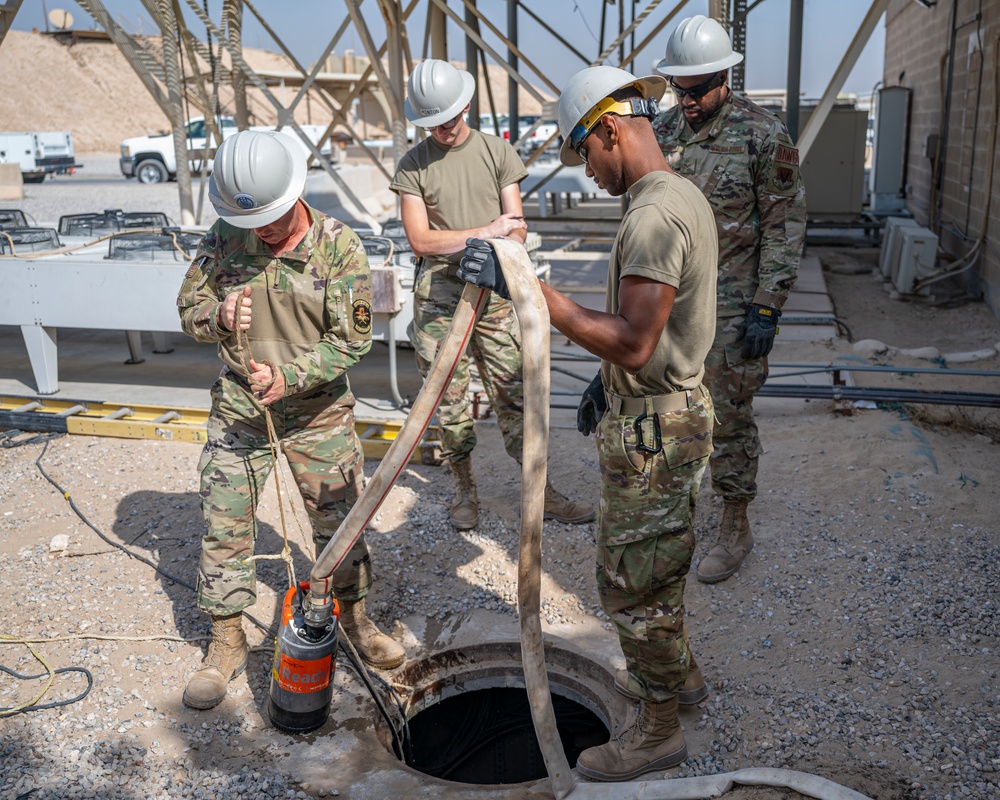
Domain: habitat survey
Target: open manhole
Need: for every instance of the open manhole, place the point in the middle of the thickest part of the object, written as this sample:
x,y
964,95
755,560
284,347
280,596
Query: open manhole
x,y
470,721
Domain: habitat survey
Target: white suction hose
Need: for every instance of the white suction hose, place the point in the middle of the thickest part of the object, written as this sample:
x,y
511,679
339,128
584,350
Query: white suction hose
x,y
533,317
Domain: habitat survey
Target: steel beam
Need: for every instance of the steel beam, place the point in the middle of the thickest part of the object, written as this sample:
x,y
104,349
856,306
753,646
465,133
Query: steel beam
x,y
812,128
7,13
794,68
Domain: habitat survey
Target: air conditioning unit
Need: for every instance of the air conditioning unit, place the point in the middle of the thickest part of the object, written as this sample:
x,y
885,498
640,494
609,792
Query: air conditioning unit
x,y
889,254
917,258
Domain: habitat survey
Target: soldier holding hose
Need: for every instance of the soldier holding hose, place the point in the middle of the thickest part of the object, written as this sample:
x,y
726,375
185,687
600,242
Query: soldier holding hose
x,y
652,417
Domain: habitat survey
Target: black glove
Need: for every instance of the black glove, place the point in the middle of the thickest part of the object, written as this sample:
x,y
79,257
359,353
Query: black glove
x,y
592,406
762,324
480,267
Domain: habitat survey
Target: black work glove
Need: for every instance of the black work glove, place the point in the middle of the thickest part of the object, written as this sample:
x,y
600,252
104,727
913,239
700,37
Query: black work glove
x,y
481,268
592,406
762,324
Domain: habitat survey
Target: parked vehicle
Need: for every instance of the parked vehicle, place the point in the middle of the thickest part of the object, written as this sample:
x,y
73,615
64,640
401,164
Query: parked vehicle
x,y
539,136
151,159
39,153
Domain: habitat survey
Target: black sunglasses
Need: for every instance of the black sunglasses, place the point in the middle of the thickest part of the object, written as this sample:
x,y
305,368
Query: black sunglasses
x,y
699,91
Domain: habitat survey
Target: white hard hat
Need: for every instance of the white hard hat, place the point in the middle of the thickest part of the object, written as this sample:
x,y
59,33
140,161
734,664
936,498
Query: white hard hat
x,y
586,99
698,46
257,177
437,93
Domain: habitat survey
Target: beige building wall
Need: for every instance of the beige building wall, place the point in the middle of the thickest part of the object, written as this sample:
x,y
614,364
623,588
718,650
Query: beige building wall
x,y
917,48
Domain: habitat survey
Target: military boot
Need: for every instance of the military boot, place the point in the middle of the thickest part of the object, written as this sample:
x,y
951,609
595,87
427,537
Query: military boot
x,y
561,508
465,506
653,740
375,647
735,541
693,692
226,658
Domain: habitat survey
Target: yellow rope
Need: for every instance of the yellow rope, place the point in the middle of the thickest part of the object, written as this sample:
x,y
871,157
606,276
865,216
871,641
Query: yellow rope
x,y
272,438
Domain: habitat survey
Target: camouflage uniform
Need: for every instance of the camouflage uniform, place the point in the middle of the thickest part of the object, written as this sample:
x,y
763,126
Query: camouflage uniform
x,y
312,319
496,347
461,189
746,165
645,526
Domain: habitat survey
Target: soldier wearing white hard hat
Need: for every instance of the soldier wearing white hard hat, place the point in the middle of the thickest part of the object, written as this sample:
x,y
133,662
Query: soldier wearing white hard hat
x,y
284,292
651,415
742,158
456,184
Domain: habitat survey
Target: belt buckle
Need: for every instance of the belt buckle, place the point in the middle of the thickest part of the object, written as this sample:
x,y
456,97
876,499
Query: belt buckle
x,y
640,444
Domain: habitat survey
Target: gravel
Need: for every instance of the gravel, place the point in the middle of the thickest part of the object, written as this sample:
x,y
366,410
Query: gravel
x,y
859,642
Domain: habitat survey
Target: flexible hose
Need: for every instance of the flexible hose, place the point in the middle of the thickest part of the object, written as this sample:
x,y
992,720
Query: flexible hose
x,y
396,458
533,318
716,785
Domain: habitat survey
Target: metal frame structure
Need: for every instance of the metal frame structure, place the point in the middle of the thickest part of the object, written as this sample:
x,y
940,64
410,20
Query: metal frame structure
x,y
172,86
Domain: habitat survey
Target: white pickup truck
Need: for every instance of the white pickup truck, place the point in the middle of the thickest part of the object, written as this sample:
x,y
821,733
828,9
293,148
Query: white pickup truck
x,y
39,153
152,159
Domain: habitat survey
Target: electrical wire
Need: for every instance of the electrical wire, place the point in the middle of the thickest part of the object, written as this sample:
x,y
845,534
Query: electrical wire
x,y
400,744
35,706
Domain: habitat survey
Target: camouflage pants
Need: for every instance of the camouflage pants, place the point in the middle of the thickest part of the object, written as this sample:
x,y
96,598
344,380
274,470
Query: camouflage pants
x,y
733,382
645,539
496,347
318,438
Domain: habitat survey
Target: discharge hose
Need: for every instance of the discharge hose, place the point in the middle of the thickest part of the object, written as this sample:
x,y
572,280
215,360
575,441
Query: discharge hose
x,y
533,317
398,455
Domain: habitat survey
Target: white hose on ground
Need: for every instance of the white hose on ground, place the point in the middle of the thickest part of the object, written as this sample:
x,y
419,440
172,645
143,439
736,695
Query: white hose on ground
x,y
716,785
533,318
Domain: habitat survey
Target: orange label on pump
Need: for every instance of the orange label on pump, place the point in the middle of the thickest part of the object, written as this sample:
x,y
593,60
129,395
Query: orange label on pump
x,y
302,677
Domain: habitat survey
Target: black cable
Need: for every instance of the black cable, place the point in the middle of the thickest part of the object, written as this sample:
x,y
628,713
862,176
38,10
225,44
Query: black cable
x,y
55,703
402,749
9,438
365,674
87,522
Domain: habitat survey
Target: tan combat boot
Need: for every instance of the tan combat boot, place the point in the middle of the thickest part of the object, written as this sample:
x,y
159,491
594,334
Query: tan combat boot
x,y
653,740
465,506
375,647
562,509
735,541
693,692
226,658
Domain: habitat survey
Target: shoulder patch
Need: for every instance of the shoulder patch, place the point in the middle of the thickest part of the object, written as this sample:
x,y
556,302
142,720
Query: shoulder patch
x,y
787,155
361,316
195,266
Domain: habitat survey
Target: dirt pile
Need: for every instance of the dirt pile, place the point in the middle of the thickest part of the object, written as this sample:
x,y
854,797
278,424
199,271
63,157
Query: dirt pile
x,y
89,89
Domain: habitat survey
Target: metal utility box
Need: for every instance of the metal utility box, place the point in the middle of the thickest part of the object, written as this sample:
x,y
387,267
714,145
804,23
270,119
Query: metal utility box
x,y
891,240
917,258
834,171
887,179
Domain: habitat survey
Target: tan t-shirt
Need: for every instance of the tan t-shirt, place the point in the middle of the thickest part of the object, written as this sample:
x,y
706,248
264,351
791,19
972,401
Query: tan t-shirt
x,y
460,185
669,235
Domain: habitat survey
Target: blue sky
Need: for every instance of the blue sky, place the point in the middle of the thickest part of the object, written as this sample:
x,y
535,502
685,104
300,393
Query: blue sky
x,y
307,25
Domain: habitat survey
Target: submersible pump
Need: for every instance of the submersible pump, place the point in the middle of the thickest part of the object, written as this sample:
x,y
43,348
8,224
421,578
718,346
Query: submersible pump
x,y
304,662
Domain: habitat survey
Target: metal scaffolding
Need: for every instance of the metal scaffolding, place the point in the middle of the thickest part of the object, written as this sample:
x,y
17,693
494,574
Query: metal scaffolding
x,y
181,71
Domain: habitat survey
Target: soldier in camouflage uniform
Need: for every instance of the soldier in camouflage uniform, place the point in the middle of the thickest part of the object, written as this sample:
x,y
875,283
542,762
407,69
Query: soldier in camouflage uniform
x,y
460,183
285,291
652,417
743,160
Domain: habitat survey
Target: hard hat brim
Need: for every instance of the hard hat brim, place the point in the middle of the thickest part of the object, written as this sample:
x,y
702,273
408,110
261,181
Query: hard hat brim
x,y
665,68
651,86
265,215
468,89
